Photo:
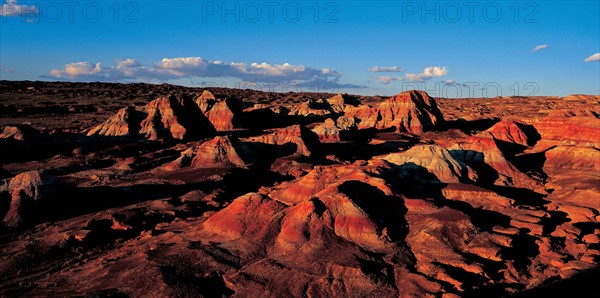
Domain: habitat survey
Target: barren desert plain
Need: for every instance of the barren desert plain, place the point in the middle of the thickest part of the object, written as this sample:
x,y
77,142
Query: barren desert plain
x,y
138,190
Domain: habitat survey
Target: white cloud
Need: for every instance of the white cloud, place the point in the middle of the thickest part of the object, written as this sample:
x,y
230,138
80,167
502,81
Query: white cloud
x,y
387,79
78,69
192,67
539,48
11,8
386,69
428,73
594,57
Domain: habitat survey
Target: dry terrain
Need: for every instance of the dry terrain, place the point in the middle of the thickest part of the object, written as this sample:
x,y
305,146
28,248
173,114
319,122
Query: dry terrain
x,y
112,190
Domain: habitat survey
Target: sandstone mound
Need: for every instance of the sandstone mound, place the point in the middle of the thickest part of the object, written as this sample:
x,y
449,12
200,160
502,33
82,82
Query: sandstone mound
x,y
328,132
300,139
482,153
572,127
23,191
328,203
582,97
221,112
206,101
411,111
365,116
220,152
24,133
431,159
312,108
339,102
511,132
174,116
324,180
125,123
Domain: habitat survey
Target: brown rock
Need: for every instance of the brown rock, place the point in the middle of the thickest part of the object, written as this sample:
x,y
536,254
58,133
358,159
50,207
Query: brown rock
x,y
220,152
411,111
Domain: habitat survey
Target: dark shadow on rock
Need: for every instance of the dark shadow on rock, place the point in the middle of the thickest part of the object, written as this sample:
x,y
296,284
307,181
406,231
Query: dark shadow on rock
x,y
584,284
387,212
471,126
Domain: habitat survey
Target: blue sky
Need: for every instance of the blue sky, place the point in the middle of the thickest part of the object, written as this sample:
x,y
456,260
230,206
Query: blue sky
x,y
448,48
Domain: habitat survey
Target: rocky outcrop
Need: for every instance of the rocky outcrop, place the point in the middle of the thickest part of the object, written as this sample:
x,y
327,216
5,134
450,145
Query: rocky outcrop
x,y
341,102
23,192
511,132
411,111
220,152
431,159
206,101
481,152
571,127
168,117
298,216
175,116
298,138
22,133
125,123
312,108
328,132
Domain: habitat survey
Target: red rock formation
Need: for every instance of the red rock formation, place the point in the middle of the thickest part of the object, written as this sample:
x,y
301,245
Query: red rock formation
x,y
341,102
222,113
411,111
206,101
582,97
324,180
220,152
433,159
19,133
481,151
312,108
174,116
571,127
297,135
365,115
125,122
24,190
300,215
328,132
511,132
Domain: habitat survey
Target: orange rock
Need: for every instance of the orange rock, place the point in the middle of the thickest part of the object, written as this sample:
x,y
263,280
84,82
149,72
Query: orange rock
x,y
297,135
571,127
125,122
19,133
411,111
175,116
24,190
220,152
206,101
434,160
511,132
328,132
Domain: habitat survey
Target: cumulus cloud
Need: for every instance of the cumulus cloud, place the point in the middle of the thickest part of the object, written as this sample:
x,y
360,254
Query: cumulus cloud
x,y
386,69
195,67
539,48
79,69
594,57
11,9
387,79
428,73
